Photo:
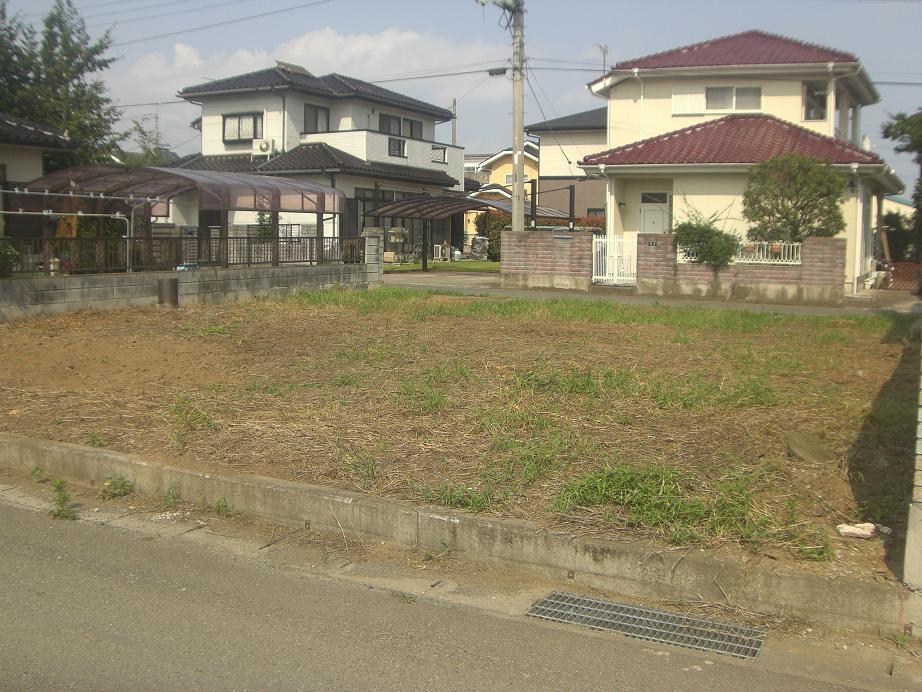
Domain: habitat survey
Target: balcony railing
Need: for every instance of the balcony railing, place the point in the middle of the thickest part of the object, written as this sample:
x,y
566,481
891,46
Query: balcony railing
x,y
755,253
53,256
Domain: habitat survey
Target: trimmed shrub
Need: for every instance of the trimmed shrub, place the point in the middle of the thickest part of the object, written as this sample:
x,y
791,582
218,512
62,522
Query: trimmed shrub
x,y
707,244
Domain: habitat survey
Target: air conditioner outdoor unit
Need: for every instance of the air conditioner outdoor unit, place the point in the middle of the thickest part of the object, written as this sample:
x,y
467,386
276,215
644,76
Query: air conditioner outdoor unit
x,y
263,147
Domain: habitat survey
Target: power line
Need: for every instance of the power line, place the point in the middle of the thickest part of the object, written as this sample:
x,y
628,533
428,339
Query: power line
x,y
136,8
224,23
431,76
185,10
423,73
544,115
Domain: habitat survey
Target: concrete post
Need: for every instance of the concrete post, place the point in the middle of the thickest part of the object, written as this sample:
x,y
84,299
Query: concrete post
x,y
374,254
912,557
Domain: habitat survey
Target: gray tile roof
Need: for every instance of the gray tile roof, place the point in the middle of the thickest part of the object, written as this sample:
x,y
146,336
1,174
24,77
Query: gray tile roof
x,y
15,130
317,157
330,86
587,120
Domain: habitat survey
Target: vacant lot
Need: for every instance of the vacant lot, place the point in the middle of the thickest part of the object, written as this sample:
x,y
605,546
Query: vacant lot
x,y
660,422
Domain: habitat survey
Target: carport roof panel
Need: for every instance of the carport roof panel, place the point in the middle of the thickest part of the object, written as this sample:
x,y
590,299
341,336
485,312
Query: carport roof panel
x,y
445,206
230,191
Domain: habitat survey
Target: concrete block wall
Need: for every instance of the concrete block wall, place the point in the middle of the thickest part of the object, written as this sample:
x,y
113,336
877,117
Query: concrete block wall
x,y
912,557
546,259
817,280
48,295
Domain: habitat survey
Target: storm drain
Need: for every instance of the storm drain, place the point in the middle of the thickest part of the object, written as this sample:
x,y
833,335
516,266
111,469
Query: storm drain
x,y
650,625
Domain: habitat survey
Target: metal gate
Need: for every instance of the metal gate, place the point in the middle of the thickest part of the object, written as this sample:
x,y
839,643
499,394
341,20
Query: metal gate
x,y
614,260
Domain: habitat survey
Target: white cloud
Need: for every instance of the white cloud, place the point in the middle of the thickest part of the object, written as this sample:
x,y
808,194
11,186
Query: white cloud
x,y
157,76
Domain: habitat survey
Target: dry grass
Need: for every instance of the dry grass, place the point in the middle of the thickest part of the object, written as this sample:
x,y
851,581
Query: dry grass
x,y
503,406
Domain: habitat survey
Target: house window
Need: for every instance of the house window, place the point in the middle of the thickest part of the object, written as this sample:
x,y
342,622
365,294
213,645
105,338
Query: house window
x,y
728,98
595,211
718,98
748,98
243,127
509,178
439,154
412,128
654,197
316,119
815,100
388,124
397,147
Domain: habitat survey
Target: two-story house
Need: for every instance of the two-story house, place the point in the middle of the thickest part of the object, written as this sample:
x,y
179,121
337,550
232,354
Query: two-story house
x,y
373,144
23,145
562,143
686,125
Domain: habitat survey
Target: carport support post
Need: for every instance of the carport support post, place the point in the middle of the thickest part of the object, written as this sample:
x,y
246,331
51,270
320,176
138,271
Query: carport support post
x,y
222,244
427,233
534,202
572,207
274,230
319,238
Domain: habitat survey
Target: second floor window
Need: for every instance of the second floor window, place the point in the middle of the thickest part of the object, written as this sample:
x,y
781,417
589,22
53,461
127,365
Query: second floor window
x,y
316,119
243,127
388,124
412,128
815,99
728,98
439,154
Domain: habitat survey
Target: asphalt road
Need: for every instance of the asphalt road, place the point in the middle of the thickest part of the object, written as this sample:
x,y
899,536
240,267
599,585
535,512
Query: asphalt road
x,y
91,607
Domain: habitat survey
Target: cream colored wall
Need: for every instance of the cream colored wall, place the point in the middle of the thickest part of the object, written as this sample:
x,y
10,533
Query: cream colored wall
x,y
502,167
716,195
23,164
905,210
721,195
631,118
561,150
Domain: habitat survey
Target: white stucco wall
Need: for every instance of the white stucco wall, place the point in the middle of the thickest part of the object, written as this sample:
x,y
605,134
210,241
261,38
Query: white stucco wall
x,y
23,164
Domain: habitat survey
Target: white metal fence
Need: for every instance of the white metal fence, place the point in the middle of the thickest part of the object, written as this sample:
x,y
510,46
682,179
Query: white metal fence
x,y
756,253
614,260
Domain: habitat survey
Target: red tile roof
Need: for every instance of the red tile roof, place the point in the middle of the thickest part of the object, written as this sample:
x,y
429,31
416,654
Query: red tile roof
x,y
747,48
733,139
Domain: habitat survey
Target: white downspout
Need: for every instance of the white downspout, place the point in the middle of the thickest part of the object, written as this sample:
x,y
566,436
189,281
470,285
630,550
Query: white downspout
x,y
859,229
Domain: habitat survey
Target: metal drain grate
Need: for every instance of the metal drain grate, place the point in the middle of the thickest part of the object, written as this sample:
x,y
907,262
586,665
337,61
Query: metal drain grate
x,y
650,625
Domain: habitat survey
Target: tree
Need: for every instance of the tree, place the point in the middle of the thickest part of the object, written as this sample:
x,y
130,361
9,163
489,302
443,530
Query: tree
x,y
151,151
17,57
906,130
791,197
53,80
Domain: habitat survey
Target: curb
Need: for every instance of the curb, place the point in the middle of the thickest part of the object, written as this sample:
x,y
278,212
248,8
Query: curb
x,y
628,567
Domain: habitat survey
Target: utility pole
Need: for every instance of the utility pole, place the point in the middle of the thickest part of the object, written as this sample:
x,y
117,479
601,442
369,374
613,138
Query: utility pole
x,y
518,116
514,15
454,121
604,51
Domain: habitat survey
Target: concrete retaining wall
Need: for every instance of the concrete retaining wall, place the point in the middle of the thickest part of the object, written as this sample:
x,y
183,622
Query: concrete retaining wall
x,y
632,568
912,559
46,295
817,280
546,259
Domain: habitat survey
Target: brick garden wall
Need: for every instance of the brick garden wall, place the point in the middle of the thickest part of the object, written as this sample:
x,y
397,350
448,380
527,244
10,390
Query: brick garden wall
x,y
45,295
546,259
819,279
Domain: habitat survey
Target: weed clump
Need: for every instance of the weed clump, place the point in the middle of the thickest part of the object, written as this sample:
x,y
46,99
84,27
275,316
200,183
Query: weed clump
x,y
62,509
116,486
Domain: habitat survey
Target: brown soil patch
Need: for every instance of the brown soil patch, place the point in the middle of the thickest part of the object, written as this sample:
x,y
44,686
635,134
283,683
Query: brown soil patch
x,y
383,397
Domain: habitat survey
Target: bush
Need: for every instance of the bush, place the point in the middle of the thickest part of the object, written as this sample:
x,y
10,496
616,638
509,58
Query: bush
x,y
707,244
8,258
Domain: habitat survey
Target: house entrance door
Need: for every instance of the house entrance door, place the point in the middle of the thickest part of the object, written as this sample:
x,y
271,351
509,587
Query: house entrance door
x,y
654,212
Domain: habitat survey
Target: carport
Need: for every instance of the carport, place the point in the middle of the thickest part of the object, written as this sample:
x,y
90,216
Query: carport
x,y
132,194
445,206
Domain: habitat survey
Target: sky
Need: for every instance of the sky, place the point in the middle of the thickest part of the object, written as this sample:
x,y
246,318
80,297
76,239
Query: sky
x,y
376,40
